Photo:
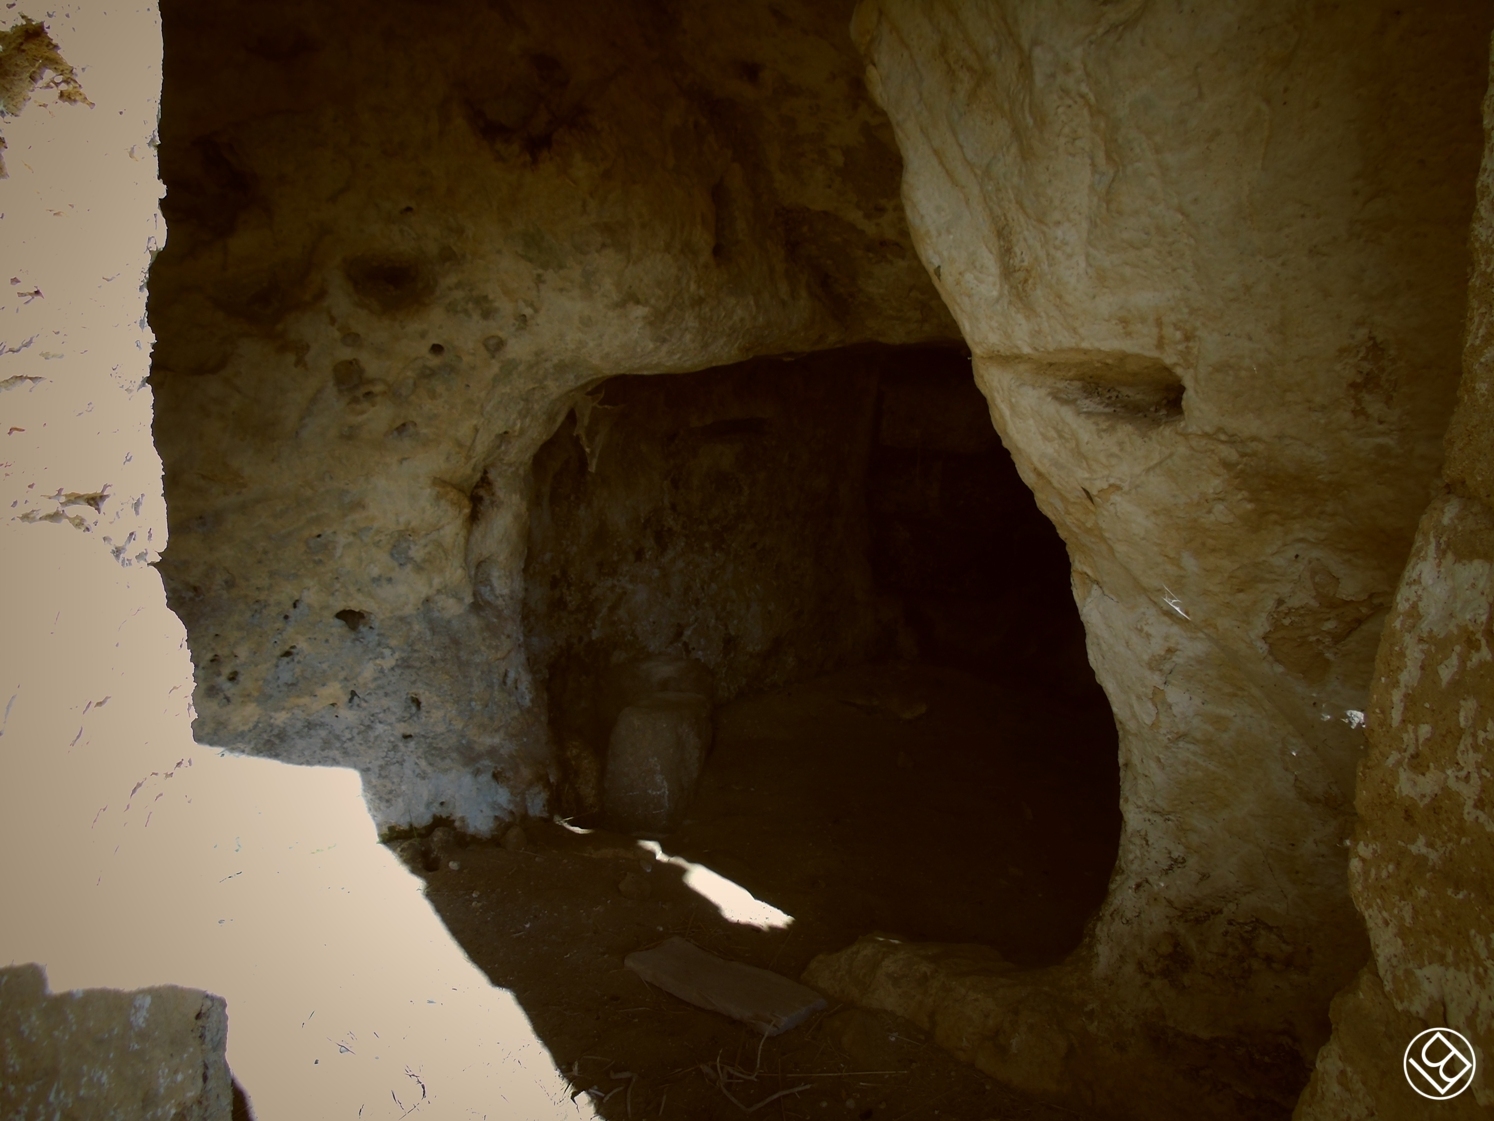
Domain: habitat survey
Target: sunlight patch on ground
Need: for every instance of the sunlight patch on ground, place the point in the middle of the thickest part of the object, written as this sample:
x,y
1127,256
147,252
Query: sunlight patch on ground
x,y
734,901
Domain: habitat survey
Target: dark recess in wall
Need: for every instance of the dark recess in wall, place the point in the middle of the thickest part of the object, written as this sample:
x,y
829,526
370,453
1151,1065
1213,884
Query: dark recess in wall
x,y
780,519
981,575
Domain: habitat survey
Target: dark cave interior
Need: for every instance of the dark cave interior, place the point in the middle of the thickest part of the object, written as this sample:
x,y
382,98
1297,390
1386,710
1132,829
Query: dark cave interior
x,y
907,737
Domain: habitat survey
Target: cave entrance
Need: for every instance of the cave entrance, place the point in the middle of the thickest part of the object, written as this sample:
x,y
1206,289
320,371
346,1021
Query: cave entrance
x,y
838,553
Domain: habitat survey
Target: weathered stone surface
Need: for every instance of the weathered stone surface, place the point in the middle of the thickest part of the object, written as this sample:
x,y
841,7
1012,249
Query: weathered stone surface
x,y
404,242
151,1055
702,533
1211,264
771,521
658,746
1045,1029
1359,1073
1423,866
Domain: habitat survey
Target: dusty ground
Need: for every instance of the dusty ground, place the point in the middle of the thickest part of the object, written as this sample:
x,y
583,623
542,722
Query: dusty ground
x,y
991,817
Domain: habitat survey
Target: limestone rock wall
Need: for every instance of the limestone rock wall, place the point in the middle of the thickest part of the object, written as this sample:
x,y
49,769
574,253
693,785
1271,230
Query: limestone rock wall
x,y
1211,263
151,1055
403,238
774,520
718,517
1423,866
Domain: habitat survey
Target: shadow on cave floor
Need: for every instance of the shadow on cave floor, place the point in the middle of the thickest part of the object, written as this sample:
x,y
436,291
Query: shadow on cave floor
x,y
967,822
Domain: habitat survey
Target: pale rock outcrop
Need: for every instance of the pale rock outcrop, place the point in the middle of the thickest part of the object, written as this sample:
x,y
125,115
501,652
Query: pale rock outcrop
x,y
404,240
1210,260
1423,866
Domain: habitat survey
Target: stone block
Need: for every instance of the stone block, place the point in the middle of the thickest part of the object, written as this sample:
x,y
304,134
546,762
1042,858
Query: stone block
x,y
769,1002
654,756
150,1055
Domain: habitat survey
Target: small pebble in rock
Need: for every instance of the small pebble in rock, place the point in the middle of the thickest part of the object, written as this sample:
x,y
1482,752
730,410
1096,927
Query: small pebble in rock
x,y
515,839
454,865
850,1103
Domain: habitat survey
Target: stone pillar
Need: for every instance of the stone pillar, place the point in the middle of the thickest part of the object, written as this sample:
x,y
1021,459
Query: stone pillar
x,y
1210,261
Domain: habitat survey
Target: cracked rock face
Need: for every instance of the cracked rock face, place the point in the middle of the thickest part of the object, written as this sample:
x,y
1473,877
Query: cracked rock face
x,y
403,240
1211,266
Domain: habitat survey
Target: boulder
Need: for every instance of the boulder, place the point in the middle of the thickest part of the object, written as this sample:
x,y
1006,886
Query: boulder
x,y
150,1055
654,756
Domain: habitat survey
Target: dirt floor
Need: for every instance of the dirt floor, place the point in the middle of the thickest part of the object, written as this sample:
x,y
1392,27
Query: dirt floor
x,y
914,801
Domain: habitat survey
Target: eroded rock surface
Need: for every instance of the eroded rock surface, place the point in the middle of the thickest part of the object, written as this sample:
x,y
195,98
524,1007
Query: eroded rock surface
x,y
701,533
1210,262
1423,867
151,1055
718,518
403,239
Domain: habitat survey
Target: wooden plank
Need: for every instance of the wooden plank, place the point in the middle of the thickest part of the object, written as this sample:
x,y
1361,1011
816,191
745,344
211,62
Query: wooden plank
x,y
768,1001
